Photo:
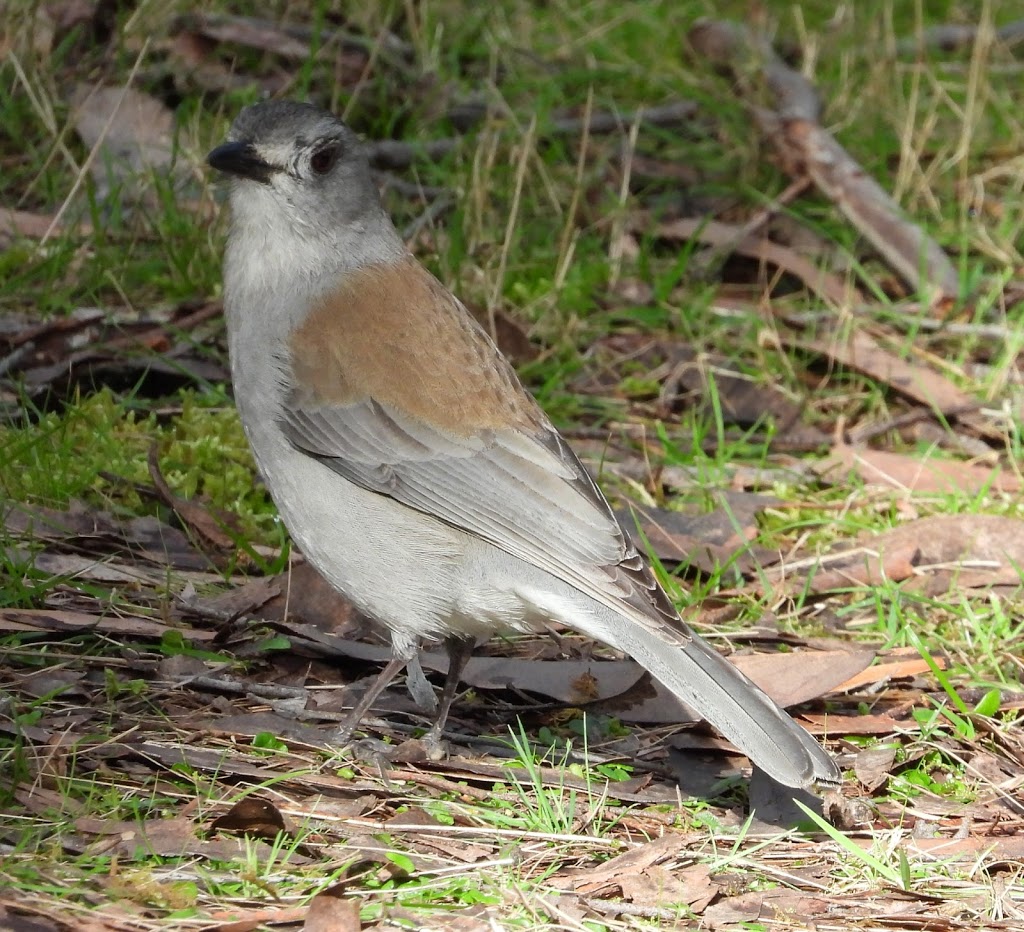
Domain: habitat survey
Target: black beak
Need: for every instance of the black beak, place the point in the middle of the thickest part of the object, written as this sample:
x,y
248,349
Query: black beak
x,y
240,159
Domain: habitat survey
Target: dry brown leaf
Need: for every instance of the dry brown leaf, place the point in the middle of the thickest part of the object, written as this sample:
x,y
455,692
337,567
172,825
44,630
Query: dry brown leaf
x,y
197,516
907,473
512,337
79,527
837,725
173,837
254,920
305,596
963,550
133,132
623,687
788,678
50,682
332,912
874,765
66,622
200,67
861,351
252,817
798,677
245,599
896,670
643,880
635,860
102,570
19,914
407,821
1010,849
94,346
723,235
658,886
45,802
768,906
250,32
23,223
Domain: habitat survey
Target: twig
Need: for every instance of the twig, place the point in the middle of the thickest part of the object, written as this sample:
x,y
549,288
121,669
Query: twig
x,y
807,149
395,155
949,37
429,217
620,908
223,684
257,33
712,257
859,436
410,189
1001,333
602,123
14,358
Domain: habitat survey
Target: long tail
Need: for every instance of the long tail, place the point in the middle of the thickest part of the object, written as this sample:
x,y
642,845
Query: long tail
x,y
718,692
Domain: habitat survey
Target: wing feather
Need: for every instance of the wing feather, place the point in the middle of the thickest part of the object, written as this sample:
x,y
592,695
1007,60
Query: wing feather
x,y
526,493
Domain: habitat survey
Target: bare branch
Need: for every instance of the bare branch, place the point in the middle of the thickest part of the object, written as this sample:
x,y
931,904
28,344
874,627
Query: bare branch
x,y
808,150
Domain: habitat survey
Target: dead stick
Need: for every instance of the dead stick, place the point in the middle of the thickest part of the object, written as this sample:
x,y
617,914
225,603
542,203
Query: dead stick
x,y
953,36
394,154
807,149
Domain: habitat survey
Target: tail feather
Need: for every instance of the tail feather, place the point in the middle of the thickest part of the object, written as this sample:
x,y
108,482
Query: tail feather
x,y
725,697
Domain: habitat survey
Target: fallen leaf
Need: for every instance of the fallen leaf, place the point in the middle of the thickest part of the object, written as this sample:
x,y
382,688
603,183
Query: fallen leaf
x,y
50,682
26,916
96,570
511,336
874,765
245,599
305,596
780,906
254,920
884,672
707,540
723,235
252,817
21,223
835,725
929,474
172,837
198,517
957,550
67,622
635,860
861,351
332,912
199,65
133,134
640,877
658,886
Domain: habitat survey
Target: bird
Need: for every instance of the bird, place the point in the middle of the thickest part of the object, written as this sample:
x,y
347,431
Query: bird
x,y
407,460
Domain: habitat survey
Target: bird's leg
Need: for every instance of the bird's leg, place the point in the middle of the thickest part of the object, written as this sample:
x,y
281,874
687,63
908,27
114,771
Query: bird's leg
x,y
419,688
390,671
459,649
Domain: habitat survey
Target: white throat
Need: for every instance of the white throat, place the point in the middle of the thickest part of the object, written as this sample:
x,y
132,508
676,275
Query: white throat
x,y
275,269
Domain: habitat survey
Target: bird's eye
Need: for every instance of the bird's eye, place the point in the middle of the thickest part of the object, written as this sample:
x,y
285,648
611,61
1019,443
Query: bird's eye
x,y
322,161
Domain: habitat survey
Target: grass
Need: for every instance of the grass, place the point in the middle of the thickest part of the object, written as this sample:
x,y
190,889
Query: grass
x,y
535,230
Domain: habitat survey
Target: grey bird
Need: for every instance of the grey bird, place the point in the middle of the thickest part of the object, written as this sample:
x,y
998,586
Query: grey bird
x,y
406,459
